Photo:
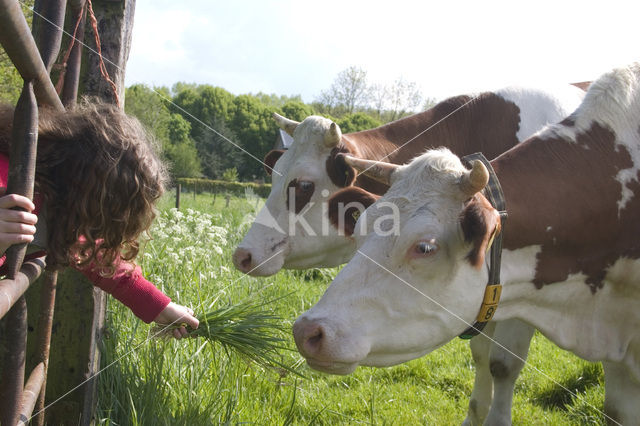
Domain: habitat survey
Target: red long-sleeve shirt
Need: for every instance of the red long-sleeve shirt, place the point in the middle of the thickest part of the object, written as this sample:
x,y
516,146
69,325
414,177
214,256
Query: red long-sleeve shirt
x,y
129,287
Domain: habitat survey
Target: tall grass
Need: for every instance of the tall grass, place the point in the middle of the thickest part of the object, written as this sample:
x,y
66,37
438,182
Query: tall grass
x,y
192,382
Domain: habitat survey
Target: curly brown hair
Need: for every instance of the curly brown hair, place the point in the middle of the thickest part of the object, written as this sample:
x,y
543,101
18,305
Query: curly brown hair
x,y
100,176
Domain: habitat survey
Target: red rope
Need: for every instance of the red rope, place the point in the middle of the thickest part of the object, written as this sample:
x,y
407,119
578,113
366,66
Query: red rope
x,y
103,68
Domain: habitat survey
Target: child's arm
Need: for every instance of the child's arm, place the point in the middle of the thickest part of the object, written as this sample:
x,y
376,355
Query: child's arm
x,y
144,299
16,226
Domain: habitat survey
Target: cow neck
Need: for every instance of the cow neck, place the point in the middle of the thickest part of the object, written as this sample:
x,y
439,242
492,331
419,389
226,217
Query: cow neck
x,y
493,289
552,187
487,123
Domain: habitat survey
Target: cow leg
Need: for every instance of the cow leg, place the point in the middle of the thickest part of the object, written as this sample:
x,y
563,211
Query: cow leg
x,y
483,384
505,364
621,395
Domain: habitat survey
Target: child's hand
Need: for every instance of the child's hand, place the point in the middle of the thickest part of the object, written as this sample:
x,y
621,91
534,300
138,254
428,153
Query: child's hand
x,y
177,314
15,226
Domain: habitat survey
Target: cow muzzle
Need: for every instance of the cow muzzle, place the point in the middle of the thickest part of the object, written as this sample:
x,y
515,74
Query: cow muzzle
x,y
320,343
250,262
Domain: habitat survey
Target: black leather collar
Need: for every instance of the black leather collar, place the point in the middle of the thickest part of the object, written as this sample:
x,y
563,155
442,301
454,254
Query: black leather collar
x,y
493,192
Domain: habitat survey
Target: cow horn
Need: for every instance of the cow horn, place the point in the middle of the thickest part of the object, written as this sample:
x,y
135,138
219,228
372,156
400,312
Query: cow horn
x,y
333,136
475,179
285,124
378,170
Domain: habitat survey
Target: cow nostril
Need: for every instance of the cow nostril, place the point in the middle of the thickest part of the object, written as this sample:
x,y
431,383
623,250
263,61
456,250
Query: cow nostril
x,y
313,341
316,337
246,262
242,259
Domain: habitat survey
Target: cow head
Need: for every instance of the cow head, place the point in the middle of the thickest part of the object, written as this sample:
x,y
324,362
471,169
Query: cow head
x,y
293,229
403,295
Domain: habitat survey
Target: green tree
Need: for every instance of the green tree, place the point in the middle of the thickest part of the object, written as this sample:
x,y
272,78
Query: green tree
x,y
10,80
356,122
253,124
150,107
230,175
181,150
208,109
215,150
202,105
296,110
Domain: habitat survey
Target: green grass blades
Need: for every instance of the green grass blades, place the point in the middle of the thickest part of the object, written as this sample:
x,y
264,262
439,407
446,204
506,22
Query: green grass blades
x,y
248,328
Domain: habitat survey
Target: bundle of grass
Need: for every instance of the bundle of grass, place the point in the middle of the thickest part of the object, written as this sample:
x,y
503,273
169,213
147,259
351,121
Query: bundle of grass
x,y
246,328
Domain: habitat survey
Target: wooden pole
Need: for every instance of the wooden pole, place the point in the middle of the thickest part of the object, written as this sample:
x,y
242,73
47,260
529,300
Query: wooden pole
x,y
22,167
17,41
14,361
45,323
69,93
30,393
48,20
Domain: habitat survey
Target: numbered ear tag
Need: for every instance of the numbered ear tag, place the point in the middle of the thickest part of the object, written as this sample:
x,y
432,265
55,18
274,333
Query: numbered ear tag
x,y
489,302
356,215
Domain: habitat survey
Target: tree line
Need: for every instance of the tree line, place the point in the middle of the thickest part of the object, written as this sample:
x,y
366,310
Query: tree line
x,y
207,132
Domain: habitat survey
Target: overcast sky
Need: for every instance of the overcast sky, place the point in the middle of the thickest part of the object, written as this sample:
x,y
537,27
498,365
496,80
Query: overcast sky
x,y
447,47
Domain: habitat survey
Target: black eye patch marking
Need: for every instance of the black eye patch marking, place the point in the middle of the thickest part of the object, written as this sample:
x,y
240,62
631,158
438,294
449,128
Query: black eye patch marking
x,y
302,190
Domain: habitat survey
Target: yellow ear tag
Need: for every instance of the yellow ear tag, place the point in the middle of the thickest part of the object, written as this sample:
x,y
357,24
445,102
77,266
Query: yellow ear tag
x,y
489,302
356,215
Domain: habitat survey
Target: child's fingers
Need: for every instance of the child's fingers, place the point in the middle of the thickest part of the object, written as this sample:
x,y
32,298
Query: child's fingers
x,y
11,239
14,200
177,334
190,320
17,216
9,228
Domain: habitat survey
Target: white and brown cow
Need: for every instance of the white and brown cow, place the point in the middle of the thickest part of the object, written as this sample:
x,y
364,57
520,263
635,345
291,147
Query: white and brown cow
x,y
311,172
293,231
571,260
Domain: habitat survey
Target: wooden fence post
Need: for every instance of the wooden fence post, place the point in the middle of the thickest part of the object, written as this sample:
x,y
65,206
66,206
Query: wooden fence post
x,y
178,189
79,318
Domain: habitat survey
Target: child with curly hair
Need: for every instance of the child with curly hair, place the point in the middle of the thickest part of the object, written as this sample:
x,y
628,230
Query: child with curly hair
x,y
97,180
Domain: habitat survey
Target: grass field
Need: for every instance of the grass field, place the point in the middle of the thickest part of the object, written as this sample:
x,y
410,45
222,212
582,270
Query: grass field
x,y
191,382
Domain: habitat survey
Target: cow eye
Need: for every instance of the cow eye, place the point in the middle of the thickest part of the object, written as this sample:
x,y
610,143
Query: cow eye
x,y
305,185
426,248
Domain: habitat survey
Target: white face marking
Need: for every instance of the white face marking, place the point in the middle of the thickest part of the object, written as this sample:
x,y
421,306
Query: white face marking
x,y
304,239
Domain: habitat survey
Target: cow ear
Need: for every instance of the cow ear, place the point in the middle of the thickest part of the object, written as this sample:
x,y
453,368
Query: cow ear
x,y
340,173
346,206
270,160
480,222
